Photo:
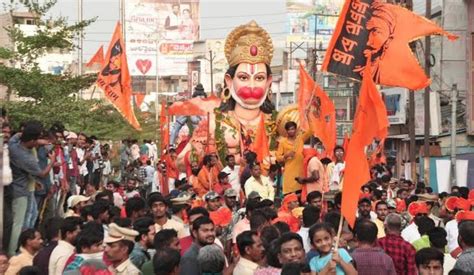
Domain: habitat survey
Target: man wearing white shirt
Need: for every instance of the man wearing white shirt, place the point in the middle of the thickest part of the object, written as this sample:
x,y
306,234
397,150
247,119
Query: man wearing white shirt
x,y
70,228
310,217
233,171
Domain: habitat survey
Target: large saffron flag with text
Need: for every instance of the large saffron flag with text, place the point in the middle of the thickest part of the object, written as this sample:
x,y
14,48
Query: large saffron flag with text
x,y
383,31
370,123
114,78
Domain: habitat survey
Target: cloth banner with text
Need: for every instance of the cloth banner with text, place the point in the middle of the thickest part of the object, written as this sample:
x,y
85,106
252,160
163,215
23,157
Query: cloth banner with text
x,y
382,31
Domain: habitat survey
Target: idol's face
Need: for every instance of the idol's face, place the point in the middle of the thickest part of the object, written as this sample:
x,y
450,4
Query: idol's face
x,y
250,85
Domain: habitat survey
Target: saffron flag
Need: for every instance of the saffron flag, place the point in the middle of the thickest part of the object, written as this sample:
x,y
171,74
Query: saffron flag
x,y
383,31
114,78
345,142
260,144
370,122
164,128
139,97
314,102
97,58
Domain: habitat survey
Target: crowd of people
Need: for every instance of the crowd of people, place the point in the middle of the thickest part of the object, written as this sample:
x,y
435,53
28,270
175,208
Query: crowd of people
x,y
67,212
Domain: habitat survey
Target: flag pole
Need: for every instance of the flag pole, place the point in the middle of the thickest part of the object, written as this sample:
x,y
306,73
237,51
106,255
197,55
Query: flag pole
x,y
339,232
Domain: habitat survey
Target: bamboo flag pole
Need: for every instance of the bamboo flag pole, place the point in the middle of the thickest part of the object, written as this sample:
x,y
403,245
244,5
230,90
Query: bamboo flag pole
x,y
339,232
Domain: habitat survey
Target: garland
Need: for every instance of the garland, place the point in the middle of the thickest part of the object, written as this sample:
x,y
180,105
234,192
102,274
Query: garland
x,y
219,136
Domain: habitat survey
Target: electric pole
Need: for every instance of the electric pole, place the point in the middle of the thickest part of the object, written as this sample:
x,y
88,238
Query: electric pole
x,y
426,139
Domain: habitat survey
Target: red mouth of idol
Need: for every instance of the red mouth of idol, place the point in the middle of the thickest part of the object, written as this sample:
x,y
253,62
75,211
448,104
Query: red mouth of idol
x,y
247,93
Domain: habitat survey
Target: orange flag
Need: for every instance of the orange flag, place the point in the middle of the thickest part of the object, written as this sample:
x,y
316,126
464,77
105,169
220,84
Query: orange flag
x,y
97,58
164,127
383,31
260,144
378,155
322,113
370,122
345,142
139,97
114,78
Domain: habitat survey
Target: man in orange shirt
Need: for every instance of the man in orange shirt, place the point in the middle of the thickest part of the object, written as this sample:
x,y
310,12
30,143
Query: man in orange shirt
x,y
207,177
289,203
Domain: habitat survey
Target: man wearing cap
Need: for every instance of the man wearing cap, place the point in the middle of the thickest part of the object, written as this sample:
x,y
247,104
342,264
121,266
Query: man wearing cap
x,y
223,183
118,246
221,216
159,209
233,171
179,206
260,184
410,233
75,204
72,161
230,199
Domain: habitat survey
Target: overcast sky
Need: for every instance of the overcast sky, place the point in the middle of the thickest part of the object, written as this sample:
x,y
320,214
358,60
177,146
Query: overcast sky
x,y
218,18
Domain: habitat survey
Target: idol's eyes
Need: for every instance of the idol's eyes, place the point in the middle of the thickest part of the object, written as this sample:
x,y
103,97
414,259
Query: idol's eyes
x,y
243,76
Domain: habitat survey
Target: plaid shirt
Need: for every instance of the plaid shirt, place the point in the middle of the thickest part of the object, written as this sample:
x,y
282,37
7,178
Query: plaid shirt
x,y
401,252
374,260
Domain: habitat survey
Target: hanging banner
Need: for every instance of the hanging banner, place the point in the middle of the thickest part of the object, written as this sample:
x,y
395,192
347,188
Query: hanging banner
x,y
161,34
396,103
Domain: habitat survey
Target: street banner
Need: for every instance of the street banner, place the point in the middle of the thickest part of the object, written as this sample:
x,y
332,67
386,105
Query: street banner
x,y
160,34
382,31
114,78
303,25
396,103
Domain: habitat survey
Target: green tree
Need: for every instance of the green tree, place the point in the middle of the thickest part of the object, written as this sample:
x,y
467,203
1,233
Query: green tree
x,y
53,98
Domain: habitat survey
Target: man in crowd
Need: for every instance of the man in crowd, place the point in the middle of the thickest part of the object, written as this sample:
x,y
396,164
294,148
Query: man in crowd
x,y
166,262
285,214
429,261
233,170
69,230
251,253
135,208
222,184
364,209
260,184
89,246
145,227
51,230
24,166
165,239
291,249
370,259
381,208
335,169
311,216
465,261
30,242
315,198
401,251
203,232
207,176
159,208
118,247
